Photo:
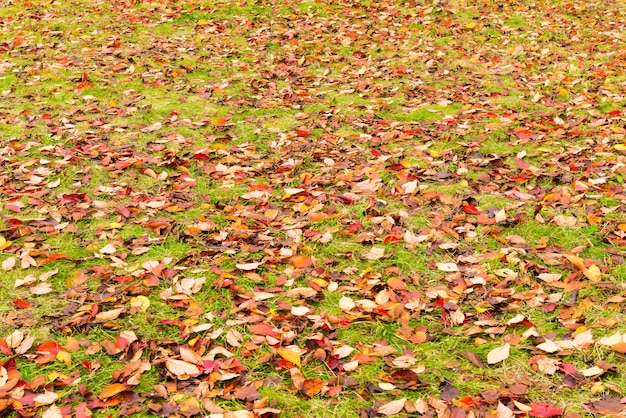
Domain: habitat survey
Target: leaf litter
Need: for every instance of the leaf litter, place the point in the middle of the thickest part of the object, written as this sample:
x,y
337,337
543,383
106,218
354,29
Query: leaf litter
x,y
403,208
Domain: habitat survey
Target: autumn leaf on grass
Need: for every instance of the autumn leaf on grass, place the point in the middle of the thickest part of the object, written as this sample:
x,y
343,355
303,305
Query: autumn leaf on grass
x,y
448,267
112,390
248,266
392,408
311,387
617,342
470,209
247,393
289,355
8,264
375,253
181,369
141,302
499,354
46,398
109,315
544,410
592,272
301,261
4,243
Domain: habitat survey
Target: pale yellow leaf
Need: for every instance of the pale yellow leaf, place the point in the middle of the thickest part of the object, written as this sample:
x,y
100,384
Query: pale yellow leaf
x,y
8,264
181,369
346,304
46,398
248,266
499,354
109,315
392,408
593,273
141,302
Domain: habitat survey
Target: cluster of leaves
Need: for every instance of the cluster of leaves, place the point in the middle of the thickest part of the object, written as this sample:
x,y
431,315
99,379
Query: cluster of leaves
x,y
329,208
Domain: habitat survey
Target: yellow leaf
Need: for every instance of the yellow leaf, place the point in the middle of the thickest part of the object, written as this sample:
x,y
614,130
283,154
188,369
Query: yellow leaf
x,y
593,273
576,261
140,302
4,243
113,225
470,25
65,357
289,355
620,147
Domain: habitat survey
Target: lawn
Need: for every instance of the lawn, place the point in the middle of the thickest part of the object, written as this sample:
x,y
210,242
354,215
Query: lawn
x,y
312,208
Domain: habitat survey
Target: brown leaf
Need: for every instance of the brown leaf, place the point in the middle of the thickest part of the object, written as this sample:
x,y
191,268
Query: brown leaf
x,y
474,358
247,393
311,387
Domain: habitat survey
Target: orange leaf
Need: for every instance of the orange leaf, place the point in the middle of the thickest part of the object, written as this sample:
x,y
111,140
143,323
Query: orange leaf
x,y
301,261
396,283
311,387
619,347
112,390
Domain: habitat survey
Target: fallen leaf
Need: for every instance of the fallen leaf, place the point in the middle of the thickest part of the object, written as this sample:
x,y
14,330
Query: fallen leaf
x,y
248,266
46,398
289,355
499,354
112,390
311,387
392,408
181,369
301,261
544,410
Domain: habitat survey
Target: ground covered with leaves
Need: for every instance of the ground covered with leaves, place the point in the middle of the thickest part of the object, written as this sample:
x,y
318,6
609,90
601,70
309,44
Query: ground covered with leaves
x,y
312,208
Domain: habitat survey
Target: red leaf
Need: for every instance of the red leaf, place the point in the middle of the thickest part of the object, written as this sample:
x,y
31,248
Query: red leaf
x,y
13,208
21,304
264,329
467,208
50,347
334,390
544,410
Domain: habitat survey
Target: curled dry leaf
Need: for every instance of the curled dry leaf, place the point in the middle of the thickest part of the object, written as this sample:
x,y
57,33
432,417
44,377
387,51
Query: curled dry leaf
x,y
110,315
248,266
